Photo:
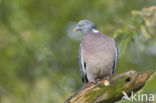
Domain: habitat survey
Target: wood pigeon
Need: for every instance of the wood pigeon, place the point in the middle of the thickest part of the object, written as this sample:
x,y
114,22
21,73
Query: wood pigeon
x,y
98,54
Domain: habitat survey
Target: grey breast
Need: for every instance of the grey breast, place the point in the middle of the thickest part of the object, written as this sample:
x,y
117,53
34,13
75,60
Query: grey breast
x,y
98,56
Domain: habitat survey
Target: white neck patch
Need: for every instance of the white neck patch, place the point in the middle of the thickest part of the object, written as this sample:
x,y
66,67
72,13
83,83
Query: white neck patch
x,y
95,31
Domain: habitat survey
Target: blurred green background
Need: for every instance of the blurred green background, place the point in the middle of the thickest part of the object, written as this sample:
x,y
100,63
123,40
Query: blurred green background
x,y
38,50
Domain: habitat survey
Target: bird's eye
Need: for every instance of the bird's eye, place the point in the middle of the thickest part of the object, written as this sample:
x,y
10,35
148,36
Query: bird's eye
x,y
83,25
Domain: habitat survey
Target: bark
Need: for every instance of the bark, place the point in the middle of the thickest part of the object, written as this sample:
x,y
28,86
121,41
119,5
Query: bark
x,y
99,93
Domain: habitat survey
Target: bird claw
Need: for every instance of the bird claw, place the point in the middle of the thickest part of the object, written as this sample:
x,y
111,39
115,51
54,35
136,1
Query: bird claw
x,y
106,82
91,82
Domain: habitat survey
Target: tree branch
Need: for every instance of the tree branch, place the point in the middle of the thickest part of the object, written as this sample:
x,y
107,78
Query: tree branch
x,y
99,93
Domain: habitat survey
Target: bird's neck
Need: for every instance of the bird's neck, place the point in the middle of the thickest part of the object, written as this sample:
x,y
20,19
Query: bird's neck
x,y
90,31
95,31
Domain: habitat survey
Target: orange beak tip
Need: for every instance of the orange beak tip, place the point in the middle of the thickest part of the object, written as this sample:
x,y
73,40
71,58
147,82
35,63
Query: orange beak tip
x,y
75,30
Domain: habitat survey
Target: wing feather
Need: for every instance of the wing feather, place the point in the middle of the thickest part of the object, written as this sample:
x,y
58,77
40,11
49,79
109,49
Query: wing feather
x,y
116,58
82,66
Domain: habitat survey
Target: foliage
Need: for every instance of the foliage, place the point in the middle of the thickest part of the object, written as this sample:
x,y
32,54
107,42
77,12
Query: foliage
x,y
38,50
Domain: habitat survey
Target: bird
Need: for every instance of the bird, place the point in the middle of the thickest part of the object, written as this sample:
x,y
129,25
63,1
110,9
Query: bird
x,y
98,53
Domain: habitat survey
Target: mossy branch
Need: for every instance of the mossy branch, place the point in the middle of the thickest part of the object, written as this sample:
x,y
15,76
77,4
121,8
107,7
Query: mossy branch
x,y
99,93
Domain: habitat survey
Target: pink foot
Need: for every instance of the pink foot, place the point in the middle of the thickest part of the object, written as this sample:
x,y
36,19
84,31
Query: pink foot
x,y
91,82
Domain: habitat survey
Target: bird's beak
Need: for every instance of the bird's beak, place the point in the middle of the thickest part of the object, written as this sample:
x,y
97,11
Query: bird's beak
x,y
76,29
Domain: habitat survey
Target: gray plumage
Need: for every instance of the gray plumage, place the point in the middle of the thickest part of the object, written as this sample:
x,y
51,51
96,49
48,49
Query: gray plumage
x,y
98,54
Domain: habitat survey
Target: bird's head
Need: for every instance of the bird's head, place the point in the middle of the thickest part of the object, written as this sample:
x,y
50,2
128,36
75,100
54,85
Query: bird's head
x,y
85,26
